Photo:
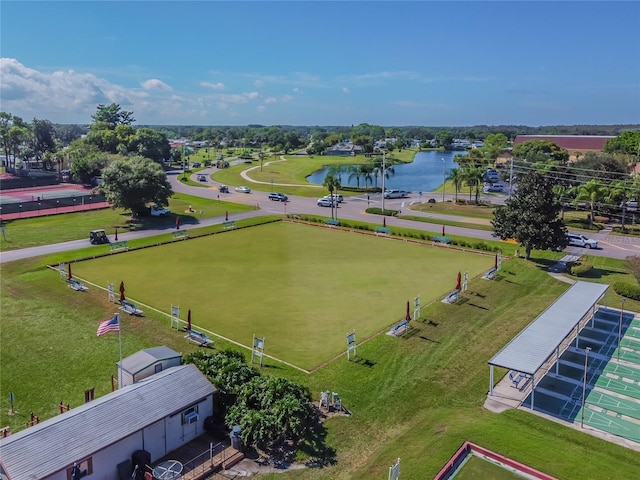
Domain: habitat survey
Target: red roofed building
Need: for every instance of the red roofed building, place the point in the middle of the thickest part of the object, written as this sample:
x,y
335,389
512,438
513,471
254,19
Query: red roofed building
x,y
575,144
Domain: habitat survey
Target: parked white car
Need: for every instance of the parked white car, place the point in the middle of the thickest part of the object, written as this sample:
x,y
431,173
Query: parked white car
x,y
395,194
579,240
157,211
326,202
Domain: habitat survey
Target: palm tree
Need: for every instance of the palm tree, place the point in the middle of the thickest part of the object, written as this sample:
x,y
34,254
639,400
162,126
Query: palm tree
x,y
456,175
332,182
473,177
592,191
354,172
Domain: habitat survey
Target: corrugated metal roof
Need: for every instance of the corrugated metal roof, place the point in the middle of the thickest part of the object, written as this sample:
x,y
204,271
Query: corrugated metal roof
x,y
528,351
142,359
56,443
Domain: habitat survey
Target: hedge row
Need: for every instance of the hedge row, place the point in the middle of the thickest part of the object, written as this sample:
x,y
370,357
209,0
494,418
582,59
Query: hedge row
x,y
404,233
627,290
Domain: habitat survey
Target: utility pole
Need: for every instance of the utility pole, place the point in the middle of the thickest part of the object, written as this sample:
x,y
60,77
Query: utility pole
x,y
510,177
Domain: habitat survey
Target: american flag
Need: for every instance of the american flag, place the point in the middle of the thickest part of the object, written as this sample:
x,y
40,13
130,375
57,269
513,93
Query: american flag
x,y
110,325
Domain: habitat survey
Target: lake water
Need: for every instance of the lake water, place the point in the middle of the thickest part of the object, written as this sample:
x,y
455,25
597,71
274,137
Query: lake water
x,y
424,174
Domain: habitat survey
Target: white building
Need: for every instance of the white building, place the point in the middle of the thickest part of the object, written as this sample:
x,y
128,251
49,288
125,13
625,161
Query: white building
x,y
158,414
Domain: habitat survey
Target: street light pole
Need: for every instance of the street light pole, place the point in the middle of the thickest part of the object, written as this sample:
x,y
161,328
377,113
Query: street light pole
x,y
584,385
383,182
620,325
444,176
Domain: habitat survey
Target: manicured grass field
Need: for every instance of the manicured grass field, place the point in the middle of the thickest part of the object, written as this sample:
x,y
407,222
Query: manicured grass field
x,y
302,287
292,172
418,397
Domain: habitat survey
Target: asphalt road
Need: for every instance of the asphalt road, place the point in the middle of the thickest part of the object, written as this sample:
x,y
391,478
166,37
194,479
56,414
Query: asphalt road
x,y
353,208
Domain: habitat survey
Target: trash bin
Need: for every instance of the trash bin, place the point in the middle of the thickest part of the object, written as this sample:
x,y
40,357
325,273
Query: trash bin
x,y
236,440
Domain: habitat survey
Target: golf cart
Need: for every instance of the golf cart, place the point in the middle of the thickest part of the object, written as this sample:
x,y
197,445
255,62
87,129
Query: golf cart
x,y
97,237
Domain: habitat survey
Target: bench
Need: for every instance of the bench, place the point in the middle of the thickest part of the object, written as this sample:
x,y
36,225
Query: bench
x,y
490,274
118,246
77,285
130,308
383,230
516,379
199,338
331,222
229,224
401,328
452,297
442,239
180,234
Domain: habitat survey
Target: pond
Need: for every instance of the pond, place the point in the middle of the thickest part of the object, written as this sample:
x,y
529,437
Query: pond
x,y
424,174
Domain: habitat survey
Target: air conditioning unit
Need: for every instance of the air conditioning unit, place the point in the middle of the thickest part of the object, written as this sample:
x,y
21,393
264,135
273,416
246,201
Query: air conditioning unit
x,y
191,418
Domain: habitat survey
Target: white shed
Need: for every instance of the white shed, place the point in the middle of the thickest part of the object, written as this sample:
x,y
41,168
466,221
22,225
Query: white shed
x,y
147,362
158,414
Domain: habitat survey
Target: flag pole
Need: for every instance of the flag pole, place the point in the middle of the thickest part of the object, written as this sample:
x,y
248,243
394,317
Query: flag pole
x,y
120,342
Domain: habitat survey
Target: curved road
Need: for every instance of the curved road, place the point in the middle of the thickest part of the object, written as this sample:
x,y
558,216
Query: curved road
x,y
353,208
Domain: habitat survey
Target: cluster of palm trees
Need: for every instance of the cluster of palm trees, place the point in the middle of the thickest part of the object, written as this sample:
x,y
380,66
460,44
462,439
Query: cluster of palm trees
x,y
369,173
602,196
469,175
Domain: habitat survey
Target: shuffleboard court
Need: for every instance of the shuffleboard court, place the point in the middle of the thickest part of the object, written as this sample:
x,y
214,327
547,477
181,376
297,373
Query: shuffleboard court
x,y
35,194
301,287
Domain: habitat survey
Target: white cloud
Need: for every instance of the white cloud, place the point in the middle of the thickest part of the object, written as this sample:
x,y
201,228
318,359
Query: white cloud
x,y
261,108
213,86
155,84
298,90
286,98
270,100
345,90
258,83
65,96
253,95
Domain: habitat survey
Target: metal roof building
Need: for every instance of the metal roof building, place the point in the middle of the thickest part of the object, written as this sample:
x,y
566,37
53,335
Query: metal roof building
x,y
542,339
55,444
147,362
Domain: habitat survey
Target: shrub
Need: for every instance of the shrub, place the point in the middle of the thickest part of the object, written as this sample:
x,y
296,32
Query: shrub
x,y
580,269
627,290
634,265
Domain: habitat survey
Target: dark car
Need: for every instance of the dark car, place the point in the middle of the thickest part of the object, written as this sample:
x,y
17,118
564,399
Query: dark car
x,y
278,197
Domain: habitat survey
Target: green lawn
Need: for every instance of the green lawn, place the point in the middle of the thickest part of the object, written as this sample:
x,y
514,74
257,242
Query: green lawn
x,y
302,287
480,469
418,397
36,231
484,212
292,172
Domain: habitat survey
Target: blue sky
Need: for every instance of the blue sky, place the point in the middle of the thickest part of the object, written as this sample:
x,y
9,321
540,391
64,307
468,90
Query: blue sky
x,y
323,63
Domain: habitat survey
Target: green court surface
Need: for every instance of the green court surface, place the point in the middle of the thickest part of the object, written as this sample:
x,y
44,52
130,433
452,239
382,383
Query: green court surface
x,y
610,422
618,405
303,288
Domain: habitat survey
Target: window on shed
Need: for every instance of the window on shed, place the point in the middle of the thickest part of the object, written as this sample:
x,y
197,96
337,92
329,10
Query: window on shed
x,y
85,466
158,367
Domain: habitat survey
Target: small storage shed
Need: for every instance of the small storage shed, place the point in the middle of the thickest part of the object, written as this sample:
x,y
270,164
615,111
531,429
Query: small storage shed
x,y
147,362
157,415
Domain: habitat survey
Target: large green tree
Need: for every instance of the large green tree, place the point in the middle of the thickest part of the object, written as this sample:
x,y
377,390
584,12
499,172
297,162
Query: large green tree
x,y
627,142
533,151
530,216
131,183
